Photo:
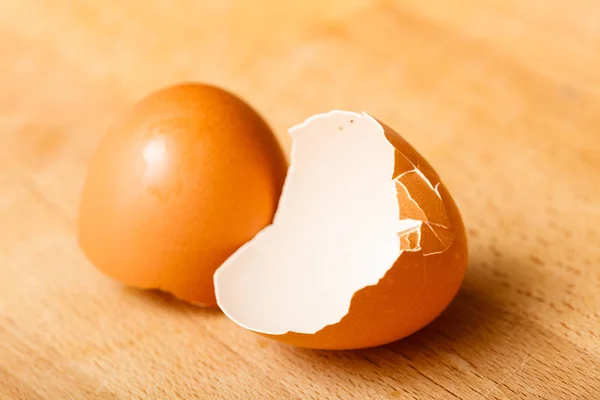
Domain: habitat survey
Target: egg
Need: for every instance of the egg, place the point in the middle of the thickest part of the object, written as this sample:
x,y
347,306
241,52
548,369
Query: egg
x,y
367,245
179,183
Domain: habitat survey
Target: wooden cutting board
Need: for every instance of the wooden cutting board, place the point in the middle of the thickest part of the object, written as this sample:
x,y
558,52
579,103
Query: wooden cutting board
x,y
502,96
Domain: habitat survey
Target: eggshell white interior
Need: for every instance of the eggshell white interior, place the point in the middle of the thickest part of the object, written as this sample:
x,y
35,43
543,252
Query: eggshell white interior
x,y
335,232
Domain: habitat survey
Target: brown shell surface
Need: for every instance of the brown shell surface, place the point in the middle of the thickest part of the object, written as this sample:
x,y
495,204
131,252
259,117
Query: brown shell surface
x,y
424,279
169,222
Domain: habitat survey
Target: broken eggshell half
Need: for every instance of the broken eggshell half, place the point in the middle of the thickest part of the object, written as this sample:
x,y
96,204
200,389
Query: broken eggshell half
x,y
366,247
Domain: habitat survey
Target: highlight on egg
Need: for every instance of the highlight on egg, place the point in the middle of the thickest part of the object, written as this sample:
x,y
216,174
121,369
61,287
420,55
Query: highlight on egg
x,y
180,181
366,246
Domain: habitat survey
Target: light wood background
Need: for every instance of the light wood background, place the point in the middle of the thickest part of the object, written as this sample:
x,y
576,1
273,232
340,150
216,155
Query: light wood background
x,y
503,98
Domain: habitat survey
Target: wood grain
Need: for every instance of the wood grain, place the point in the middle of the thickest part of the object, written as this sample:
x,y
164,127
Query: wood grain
x,y
501,96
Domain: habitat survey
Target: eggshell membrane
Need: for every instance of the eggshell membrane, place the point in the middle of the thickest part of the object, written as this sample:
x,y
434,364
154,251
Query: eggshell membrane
x,y
177,185
414,289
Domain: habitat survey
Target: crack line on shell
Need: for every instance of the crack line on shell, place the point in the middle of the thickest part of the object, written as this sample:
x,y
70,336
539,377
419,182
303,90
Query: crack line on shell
x,y
436,224
407,159
434,252
436,235
423,177
419,231
425,222
408,232
418,171
413,200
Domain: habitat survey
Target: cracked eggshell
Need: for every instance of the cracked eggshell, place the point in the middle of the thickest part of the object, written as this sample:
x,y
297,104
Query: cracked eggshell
x,y
177,185
367,246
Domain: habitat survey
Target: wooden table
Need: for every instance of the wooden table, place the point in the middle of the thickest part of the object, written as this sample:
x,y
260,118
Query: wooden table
x,y
502,96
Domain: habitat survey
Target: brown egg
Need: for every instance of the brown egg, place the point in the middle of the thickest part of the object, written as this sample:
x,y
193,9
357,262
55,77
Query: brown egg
x,y
177,185
367,245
